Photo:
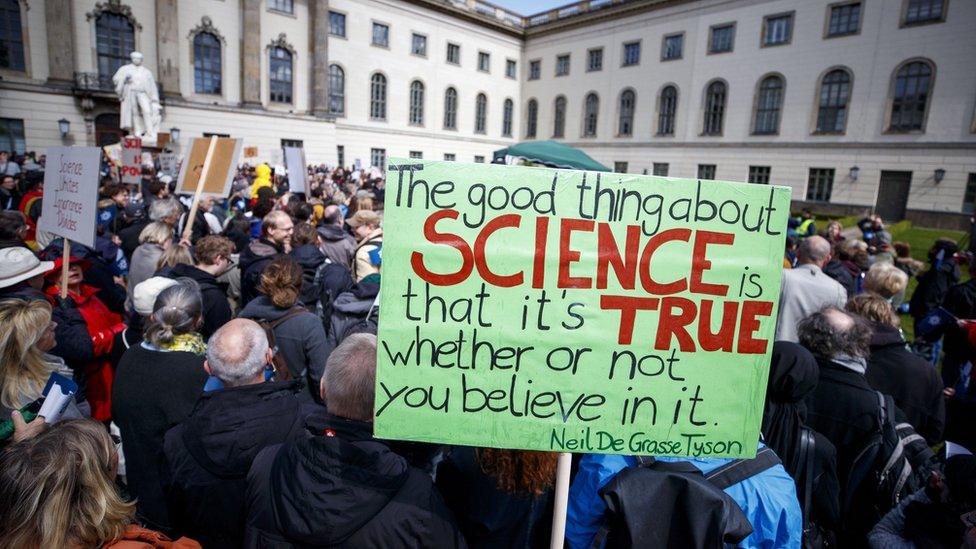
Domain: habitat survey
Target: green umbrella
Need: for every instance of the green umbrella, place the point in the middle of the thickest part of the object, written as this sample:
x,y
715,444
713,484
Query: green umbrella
x,y
553,154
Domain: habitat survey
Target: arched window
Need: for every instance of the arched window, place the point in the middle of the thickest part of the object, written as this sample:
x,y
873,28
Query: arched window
x,y
206,63
531,118
281,75
115,39
591,110
507,112
377,97
769,101
626,124
835,91
337,90
911,97
559,117
714,108
667,110
11,36
480,113
450,109
417,103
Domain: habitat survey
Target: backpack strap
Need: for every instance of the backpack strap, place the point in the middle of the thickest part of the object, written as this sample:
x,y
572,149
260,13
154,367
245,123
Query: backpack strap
x,y
293,312
808,445
738,470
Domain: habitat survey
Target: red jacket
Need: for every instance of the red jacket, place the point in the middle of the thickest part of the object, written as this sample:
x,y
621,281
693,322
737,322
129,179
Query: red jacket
x,y
137,537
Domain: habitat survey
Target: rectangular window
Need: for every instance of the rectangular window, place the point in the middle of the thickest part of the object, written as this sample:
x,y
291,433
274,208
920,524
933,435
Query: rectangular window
x,y
417,154
450,157
845,19
631,54
340,155
510,68
671,48
484,61
381,35
535,69
12,135
594,60
337,24
562,65
706,171
286,6
919,12
969,199
620,167
759,174
777,29
418,45
294,143
661,169
377,158
479,159
722,38
11,37
453,53
820,184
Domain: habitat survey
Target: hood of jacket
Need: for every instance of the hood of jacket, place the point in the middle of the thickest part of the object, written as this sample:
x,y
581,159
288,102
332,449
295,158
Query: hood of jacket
x,y
357,300
332,233
883,335
229,427
203,278
256,250
308,256
326,488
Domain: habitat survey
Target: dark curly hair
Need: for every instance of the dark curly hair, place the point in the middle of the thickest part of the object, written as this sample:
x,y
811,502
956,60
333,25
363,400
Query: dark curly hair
x,y
827,335
519,471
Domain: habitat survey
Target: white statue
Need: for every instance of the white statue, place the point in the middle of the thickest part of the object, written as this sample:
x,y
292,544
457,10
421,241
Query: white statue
x,y
137,91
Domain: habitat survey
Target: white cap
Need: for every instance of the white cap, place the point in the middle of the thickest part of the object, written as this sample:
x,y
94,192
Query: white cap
x,y
145,293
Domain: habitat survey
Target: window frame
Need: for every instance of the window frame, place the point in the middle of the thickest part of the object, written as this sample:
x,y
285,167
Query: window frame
x,y
454,112
416,155
559,121
105,80
903,16
534,63
559,58
372,159
765,26
279,10
830,9
660,112
829,184
508,116
342,95
450,157
413,36
414,109
759,171
385,100
756,105
13,137
345,28
447,54
664,45
969,190
656,165
584,133
620,112
513,74
725,102
481,113
291,82
482,54
25,42
220,59
889,103
623,51
617,164
819,93
706,167
589,57
711,37
372,34
531,118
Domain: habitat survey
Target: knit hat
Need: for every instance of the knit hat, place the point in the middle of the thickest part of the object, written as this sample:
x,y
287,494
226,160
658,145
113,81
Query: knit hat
x,y
145,293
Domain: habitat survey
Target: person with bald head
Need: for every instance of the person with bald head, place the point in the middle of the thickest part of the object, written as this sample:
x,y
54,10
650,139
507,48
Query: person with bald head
x,y
806,288
337,244
208,455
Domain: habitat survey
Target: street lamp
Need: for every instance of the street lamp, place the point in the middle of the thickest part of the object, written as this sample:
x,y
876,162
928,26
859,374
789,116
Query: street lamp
x,y
855,173
64,126
174,134
939,175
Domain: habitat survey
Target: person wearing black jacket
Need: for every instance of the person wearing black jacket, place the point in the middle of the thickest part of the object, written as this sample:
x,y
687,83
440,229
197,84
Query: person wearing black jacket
x,y
344,488
208,455
934,283
960,300
894,370
212,258
276,230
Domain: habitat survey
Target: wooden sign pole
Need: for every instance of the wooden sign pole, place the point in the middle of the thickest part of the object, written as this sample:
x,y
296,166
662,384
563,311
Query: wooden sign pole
x,y
65,259
188,230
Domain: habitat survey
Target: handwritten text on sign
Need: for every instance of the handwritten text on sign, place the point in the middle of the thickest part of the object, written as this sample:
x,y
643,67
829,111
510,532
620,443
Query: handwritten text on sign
x,y
576,311
71,193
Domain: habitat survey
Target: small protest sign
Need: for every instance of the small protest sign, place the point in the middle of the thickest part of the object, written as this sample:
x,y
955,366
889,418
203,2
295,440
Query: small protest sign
x,y
573,311
168,162
131,168
70,200
221,174
250,152
295,165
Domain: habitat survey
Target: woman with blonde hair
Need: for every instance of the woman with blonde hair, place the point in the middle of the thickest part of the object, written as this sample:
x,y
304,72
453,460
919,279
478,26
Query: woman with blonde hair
x,y
298,333
887,281
58,490
154,240
173,256
26,336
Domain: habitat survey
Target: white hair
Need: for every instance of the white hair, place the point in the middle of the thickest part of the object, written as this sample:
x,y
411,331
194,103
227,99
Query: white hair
x,y
163,208
236,352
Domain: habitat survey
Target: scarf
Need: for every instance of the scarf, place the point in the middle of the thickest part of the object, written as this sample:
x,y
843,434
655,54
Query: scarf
x,y
188,343
855,363
793,374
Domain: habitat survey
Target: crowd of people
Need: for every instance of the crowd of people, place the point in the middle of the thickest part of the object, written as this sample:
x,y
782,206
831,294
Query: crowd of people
x,y
225,370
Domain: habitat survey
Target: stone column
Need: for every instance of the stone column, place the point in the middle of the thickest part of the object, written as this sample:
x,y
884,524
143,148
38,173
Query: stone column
x,y
60,51
167,46
251,54
319,11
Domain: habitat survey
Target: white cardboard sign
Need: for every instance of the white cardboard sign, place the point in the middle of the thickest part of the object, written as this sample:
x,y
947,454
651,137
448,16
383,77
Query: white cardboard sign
x,y
70,203
297,173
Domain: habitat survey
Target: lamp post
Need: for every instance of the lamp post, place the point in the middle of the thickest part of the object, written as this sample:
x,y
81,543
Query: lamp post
x,y
939,175
855,173
64,126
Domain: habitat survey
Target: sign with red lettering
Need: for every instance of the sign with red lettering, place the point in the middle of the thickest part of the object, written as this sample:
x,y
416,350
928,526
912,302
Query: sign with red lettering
x,y
575,311
130,169
70,200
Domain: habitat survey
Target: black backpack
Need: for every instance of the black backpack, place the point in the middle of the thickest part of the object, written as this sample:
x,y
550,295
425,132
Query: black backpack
x,y
673,504
281,370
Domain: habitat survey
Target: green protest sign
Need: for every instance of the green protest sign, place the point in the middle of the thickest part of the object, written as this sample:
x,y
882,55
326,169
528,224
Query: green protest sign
x,y
576,311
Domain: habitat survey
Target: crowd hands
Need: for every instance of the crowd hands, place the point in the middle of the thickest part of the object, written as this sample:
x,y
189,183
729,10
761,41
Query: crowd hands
x,y
226,374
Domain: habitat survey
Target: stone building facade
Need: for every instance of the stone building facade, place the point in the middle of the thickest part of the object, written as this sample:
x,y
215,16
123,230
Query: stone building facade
x,y
855,104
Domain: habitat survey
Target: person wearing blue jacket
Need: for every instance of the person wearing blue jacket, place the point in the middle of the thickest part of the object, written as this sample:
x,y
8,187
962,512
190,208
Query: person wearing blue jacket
x,y
767,499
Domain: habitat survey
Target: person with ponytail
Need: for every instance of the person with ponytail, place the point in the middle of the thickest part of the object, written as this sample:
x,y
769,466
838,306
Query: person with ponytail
x,y
156,386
